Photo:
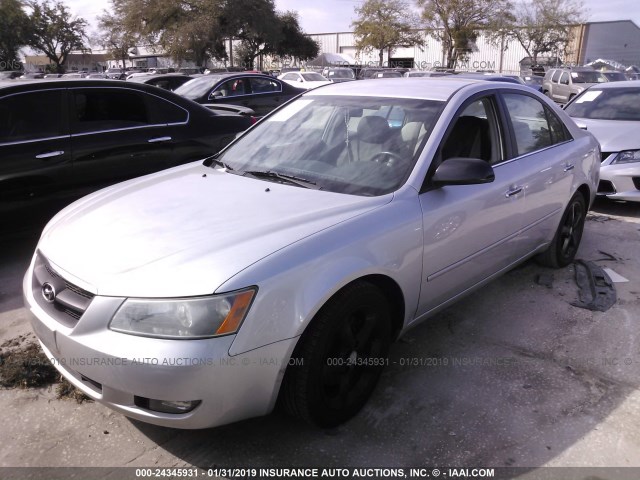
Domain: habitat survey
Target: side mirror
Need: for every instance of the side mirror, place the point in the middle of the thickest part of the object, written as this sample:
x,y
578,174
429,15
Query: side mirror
x,y
300,80
216,94
463,171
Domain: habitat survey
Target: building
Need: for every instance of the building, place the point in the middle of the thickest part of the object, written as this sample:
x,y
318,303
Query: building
x,y
617,40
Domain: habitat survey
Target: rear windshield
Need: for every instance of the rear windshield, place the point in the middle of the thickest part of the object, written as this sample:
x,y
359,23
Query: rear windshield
x,y
588,77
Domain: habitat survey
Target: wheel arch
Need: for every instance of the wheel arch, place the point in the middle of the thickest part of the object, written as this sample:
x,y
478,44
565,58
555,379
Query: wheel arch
x,y
585,191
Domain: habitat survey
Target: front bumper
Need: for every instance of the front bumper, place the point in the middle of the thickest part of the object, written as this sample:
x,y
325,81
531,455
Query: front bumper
x,y
118,369
620,182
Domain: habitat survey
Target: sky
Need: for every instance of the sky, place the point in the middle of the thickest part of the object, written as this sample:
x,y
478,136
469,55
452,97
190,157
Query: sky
x,y
325,16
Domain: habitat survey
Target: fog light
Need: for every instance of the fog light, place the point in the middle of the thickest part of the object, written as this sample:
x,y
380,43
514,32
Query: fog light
x,y
166,406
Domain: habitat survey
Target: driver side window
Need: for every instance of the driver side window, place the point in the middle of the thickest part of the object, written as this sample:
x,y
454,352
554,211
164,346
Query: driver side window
x,y
474,134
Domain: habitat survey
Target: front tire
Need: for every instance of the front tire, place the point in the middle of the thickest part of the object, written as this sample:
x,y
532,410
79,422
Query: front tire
x,y
566,241
340,356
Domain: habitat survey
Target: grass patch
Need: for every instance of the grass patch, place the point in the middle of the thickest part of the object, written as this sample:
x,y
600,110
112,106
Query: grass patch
x,y
65,390
26,366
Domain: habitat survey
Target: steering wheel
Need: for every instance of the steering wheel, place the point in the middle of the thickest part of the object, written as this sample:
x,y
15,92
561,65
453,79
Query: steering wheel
x,y
387,158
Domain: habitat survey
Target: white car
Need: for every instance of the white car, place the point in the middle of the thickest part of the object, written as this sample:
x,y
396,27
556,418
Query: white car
x,y
611,112
304,79
286,265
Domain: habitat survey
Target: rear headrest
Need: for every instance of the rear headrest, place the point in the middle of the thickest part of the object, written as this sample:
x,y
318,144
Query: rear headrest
x,y
373,129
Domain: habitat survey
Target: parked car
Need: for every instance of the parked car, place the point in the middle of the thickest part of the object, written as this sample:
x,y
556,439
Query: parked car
x,y
261,93
424,73
168,81
534,81
32,75
304,80
339,74
11,74
562,84
386,74
116,73
63,135
611,112
95,75
286,265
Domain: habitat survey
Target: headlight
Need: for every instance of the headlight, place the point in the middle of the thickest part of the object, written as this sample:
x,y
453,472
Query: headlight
x,y
183,318
628,156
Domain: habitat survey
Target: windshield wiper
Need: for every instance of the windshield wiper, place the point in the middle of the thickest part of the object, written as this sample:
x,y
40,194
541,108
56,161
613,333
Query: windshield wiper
x,y
213,160
284,178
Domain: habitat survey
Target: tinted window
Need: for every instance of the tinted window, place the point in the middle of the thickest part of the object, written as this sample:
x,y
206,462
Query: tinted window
x,y
534,125
556,76
103,109
31,116
564,79
290,76
263,85
162,111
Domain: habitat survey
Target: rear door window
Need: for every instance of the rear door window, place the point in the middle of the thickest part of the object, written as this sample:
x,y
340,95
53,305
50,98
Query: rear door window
x,y
534,125
32,116
100,109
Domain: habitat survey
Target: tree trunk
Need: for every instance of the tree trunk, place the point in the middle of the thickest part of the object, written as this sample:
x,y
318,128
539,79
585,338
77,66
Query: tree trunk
x,y
381,57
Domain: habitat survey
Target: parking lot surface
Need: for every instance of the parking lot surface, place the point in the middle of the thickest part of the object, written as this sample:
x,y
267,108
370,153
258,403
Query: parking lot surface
x,y
513,375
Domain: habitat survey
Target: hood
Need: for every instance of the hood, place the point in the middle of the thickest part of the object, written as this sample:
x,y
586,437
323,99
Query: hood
x,y
613,135
185,231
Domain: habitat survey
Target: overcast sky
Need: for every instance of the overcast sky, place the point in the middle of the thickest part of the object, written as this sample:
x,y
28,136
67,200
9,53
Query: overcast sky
x,y
336,15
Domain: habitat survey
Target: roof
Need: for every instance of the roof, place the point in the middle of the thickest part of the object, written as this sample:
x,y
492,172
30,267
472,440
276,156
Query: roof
x,y
332,60
427,88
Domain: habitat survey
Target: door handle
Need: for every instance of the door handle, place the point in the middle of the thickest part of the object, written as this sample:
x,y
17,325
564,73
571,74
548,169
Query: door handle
x,y
46,155
568,167
513,191
159,139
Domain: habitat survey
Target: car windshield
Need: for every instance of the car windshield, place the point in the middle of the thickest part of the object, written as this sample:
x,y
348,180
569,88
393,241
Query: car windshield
x,y
197,87
588,77
342,73
313,77
615,76
114,70
354,145
607,104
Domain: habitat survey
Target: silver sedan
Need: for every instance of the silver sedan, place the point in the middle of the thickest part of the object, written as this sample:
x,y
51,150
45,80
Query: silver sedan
x,y
284,266
611,112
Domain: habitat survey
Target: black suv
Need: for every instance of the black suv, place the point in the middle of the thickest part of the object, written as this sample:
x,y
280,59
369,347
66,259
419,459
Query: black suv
x,y
65,135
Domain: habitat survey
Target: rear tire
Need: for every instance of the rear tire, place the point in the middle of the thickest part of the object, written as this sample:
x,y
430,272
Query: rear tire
x,y
566,241
339,357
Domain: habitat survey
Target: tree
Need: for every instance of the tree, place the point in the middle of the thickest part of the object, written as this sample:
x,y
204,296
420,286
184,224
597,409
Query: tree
x,y
293,42
385,24
115,37
456,23
14,27
55,32
253,22
544,26
185,29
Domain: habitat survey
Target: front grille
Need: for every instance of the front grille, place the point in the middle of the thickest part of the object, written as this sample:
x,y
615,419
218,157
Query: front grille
x,y
605,155
69,302
69,286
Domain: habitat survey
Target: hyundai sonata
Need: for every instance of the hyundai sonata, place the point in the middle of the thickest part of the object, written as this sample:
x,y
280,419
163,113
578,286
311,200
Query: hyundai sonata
x,y
284,267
